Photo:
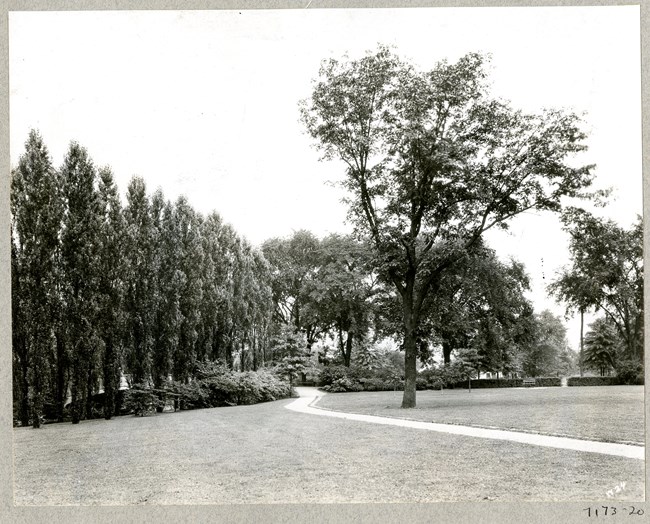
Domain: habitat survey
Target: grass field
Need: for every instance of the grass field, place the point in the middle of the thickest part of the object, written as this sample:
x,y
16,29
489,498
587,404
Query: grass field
x,y
611,414
266,453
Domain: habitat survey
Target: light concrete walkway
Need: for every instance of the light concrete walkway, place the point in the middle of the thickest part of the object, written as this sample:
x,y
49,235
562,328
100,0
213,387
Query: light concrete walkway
x,y
309,397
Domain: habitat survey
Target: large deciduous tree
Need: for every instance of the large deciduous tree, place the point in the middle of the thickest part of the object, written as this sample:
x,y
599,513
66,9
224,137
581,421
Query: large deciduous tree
x,y
606,273
432,162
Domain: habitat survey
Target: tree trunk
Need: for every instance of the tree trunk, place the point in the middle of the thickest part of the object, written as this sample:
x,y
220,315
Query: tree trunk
x,y
38,368
75,409
446,353
582,339
254,347
410,343
348,349
60,377
342,347
24,390
89,394
109,379
410,369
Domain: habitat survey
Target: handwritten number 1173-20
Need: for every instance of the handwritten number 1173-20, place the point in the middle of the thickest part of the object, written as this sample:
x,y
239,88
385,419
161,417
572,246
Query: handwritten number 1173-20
x,y
606,511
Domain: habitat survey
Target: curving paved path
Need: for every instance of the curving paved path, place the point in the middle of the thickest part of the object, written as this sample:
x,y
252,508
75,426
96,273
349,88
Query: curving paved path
x,y
310,396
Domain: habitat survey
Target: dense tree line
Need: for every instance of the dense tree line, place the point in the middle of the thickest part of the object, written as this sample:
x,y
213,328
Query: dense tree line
x,y
149,289
101,290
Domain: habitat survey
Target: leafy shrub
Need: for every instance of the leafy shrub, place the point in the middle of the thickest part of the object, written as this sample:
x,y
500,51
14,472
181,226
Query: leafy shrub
x,y
374,384
141,400
435,378
592,381
336,379
630,372
220,386
341,385
331,374
191,396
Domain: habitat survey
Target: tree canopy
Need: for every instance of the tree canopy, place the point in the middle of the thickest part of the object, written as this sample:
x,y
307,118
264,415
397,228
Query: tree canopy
x,y
606,274
432,161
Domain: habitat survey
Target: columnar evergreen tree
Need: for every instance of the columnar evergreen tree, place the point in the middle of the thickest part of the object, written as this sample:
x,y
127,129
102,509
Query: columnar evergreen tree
x,y
36,212
190,262
20,357
110,287
139,282
158,285
168,285
80,238
224,337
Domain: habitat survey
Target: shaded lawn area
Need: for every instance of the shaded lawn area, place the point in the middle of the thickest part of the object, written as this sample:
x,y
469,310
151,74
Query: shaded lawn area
x,y
268,454
607,413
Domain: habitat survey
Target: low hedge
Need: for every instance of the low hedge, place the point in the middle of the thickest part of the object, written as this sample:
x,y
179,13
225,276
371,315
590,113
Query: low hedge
x,y
593,381
481,383
548,382
339,379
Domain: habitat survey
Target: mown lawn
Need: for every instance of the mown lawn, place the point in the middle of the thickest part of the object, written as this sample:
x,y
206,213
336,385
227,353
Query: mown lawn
x,y
266,453
607,413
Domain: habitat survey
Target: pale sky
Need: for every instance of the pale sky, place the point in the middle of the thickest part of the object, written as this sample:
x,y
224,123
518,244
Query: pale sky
x,y
205,103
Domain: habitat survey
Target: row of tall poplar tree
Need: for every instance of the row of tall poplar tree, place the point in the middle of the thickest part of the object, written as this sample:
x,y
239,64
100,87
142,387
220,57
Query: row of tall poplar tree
x,y
101,289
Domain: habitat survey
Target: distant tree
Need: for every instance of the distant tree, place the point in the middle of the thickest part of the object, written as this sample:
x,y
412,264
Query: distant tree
x,y
481,304
432,162
606,274
544,355
287,342
467,363
295,366
340,294
602,344
294,262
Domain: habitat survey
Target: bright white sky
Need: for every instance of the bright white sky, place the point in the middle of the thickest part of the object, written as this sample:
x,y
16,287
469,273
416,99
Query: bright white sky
x,y
205,103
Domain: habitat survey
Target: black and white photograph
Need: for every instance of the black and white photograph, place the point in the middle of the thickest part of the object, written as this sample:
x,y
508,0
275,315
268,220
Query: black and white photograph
x,y
327,256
